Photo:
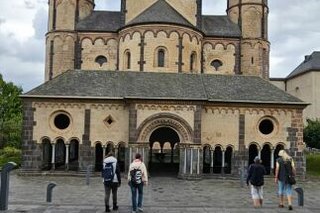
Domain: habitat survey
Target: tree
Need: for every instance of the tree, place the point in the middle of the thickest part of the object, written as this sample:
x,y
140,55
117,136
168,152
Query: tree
x,y
311,133
10,114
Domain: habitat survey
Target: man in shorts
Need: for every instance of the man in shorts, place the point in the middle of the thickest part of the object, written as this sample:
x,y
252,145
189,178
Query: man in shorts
x,y
255,178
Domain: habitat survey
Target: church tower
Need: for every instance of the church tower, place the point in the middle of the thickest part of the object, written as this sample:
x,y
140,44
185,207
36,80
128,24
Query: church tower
x,y
61,40
252,18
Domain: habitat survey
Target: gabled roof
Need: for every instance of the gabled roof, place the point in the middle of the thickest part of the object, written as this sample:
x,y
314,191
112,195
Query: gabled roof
x,y
160,12
311,63
103,21
220,26
106,85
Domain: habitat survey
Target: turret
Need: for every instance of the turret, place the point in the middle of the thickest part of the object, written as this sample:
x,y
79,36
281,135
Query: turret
x,y
252,18
61,39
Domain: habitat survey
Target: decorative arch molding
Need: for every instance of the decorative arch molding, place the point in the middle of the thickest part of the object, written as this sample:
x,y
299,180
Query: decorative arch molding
x,y
218,145
59,138
175,122
269,144
207,145
73,138
255,143
282,144
44,138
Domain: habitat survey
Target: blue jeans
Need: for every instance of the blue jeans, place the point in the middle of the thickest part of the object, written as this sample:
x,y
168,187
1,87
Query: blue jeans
x,y
136,191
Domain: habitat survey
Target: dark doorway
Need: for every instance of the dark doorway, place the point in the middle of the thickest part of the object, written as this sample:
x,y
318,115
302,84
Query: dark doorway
x,y
122,156
99,157
46,154
206,159
266,158
164,152
74,155
253,152
60,154
217,160
228,160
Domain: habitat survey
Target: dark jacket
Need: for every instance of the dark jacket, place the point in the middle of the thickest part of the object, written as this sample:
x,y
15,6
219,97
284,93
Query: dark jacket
x,y
256,174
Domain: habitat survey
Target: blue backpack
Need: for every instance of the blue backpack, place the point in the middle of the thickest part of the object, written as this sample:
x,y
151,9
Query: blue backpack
x,y
108,172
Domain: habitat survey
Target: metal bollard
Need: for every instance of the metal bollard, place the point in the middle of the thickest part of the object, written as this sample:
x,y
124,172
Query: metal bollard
x,y
300,196
49,191
4,193
88,174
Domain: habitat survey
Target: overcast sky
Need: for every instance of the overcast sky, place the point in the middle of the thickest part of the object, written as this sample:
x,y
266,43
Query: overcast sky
x,y
294,31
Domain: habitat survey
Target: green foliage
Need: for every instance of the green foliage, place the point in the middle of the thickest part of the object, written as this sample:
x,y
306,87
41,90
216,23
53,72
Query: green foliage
x,y
313,164
10,114
9,154
311,133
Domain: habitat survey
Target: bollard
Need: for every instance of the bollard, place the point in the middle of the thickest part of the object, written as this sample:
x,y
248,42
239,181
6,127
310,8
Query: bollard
x,y
300,196
4,193
49,191
88,174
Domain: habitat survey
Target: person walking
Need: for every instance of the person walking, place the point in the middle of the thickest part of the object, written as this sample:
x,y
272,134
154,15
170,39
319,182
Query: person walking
x,y
255,177
111,180
137,178
284,167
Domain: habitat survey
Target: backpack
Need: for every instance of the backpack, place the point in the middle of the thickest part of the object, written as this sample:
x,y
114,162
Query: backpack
x,y
108,172
136,177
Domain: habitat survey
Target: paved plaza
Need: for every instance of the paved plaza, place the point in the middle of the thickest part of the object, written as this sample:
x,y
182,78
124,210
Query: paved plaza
x,y
164,194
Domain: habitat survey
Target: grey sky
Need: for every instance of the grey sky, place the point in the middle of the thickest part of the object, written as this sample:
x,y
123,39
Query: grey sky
x,y
294,31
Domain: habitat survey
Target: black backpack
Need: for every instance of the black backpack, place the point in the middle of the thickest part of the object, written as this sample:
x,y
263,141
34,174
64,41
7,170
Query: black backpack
x,y
136,177
108,172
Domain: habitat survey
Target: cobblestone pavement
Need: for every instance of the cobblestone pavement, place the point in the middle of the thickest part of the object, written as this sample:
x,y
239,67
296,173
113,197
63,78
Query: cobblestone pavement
x,y
164,194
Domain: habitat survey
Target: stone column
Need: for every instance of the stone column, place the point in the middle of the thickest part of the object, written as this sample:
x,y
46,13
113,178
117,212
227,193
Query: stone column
x,y
53,156
223,161
259,153
272,159
67,157
104,151
198,165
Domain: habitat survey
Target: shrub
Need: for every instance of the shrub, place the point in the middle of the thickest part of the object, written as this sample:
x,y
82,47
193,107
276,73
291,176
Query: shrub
x,y
10,154
313,164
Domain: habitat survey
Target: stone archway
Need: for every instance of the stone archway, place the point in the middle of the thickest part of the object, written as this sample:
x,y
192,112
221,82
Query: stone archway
x,y
266,157
167,131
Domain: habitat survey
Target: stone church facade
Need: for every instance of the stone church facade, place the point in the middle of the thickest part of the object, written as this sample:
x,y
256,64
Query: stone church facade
x,y
188,91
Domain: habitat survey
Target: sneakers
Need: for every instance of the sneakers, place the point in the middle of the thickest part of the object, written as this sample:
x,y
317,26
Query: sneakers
x,y
290,208
115,208
140,209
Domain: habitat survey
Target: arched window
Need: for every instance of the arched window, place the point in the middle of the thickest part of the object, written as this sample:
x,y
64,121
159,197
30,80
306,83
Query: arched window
x,y
193,58
128,60
216,64
101,60
161,57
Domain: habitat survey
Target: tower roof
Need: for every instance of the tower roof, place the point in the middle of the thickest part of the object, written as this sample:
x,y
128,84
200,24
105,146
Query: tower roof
x,y
160,12
121,85
310,63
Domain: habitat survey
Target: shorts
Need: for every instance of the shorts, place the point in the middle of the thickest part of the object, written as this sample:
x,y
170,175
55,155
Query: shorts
x,y
257,192
284,189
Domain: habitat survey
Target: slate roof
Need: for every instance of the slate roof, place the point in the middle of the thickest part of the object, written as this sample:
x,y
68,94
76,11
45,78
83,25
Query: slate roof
x,y
311,63
220,26
160,12
104,21
165,86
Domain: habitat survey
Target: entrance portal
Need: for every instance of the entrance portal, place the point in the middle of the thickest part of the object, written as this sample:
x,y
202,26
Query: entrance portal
x,y
164,152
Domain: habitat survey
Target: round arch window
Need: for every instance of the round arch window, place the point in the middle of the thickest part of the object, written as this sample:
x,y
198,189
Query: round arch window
x,y
266,126
61,121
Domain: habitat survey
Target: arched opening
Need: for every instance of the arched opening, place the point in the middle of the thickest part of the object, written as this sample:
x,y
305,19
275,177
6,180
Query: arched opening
x,y
228,160
99,157
276,154
206,159
121,156
127,60
217,160
161,58
253,152
266,158
216,64
46,154
60,154
109,148
166,159
74,155
193,59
